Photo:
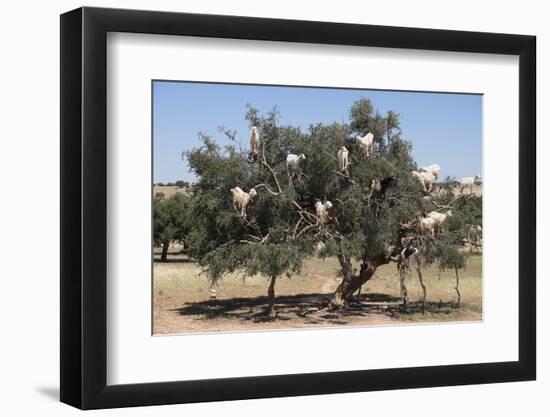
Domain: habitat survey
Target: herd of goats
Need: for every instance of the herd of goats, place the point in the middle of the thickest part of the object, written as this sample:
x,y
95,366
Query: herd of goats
x,y
427,224
427,175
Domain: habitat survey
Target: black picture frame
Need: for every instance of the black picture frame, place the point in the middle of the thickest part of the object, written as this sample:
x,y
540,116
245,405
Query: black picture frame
x,y
84,207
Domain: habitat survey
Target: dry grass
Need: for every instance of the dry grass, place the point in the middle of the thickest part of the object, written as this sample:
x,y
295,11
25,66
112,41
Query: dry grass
x,y
477,190
181,299
169,191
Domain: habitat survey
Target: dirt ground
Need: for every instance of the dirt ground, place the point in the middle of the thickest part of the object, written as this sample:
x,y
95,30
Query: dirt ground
x,y
182,301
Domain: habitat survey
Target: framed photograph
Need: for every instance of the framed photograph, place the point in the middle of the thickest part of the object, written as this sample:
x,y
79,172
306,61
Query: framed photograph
x,y
257,208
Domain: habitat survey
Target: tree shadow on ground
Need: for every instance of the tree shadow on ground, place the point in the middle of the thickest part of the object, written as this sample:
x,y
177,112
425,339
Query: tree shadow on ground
x,y
309,308
169,260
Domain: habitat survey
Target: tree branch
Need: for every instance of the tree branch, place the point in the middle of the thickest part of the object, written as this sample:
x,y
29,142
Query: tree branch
x,y
347,177
273,174
267,188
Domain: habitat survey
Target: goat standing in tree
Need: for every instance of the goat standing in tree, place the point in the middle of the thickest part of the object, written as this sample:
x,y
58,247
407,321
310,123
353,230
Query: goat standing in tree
x,y
439,218
293,161
378,186
254,144
343,160
433,169
325,213
242,199
427,179
366,143
427,224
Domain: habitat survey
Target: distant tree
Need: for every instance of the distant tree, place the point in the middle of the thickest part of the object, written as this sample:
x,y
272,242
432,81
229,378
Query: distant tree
x,y
171,221
182,184
160,184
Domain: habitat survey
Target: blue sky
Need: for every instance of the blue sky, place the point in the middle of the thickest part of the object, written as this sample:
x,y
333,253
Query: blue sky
x,y
443,128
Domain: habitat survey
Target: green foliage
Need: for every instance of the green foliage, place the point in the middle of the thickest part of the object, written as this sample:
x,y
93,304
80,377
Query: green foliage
x,y
171,219
221,240
280,228
360,115
364,118
472,210
270,260
452,257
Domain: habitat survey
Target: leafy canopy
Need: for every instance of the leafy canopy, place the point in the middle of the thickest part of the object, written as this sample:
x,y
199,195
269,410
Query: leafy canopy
x,y
281,228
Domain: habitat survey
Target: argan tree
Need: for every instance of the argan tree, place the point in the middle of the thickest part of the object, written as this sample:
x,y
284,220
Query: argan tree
x,y
368,229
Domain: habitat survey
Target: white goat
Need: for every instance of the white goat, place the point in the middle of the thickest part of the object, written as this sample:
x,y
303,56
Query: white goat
x,y
324,212
254,140
343,159
439,218
475,234
212,293
433,169
427,179
366,142
292,161
427,224
241,199
468,182
320,247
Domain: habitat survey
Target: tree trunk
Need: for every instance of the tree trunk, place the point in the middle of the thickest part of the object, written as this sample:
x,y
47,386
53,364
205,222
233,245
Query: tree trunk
x,y
419,272
164,253
456,287
338,299
402,268
271,296
351,283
